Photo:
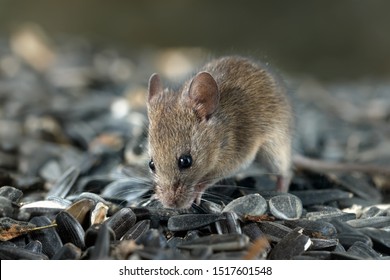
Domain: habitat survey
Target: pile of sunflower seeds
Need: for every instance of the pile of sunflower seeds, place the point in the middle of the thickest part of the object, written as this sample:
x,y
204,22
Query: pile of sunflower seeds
x,y
74,182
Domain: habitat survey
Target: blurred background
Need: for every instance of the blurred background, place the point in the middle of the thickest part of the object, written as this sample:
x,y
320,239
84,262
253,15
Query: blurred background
x,y
331,40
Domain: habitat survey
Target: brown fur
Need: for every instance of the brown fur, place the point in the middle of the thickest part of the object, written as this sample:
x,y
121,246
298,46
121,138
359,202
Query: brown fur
x,y
252,117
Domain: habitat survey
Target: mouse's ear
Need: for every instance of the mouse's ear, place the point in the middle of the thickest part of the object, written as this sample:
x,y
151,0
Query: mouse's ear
x,y
155,87
203,95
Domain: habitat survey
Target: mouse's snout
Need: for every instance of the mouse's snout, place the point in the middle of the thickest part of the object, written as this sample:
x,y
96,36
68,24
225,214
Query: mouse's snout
x,y
178,196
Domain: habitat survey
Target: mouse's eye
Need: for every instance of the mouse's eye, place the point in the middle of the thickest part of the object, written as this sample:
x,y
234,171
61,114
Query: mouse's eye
x,y
152,166
185,161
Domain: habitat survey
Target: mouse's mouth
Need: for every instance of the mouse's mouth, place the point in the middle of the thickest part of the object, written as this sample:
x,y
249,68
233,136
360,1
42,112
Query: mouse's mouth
x,y
199,190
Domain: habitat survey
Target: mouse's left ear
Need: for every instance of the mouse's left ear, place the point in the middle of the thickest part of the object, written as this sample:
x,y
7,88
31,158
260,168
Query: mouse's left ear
x,y
203,95
155,87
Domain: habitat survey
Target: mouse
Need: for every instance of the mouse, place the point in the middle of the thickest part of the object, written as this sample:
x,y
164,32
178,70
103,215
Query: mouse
x,y
232,111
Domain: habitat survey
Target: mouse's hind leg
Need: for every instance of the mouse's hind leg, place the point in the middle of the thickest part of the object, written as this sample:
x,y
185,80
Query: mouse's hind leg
x,y
276,154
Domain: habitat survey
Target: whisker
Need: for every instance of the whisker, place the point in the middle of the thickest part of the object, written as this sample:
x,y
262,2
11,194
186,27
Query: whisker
x,y
216,196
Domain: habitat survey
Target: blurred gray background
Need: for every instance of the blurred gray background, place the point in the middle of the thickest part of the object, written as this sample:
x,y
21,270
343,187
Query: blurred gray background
x,y
331,40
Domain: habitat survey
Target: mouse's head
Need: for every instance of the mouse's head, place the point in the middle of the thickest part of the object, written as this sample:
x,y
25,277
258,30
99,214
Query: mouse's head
x,y
183,147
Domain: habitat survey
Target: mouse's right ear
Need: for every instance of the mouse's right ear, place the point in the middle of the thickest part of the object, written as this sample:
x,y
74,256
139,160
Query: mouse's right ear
x,y
203,95
155,87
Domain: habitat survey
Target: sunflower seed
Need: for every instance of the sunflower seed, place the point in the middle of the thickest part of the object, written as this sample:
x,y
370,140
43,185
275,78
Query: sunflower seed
x,y
11,193
361,250
252,205
34,246
201,253
51,241
7,208
372,212
318,229
286,207
70,229
191,221
121,222
101,250
293,244
137,230
348,239
99,214
62,187
68,252
274,231
343,256
375,222
320,196
152,238
228,223
328,216
17,253
80,209
224,242
91,235
319,243
314,255
380,238
253,231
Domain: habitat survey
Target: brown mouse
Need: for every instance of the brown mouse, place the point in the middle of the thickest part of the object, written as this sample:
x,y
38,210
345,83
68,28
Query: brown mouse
x,y
218,122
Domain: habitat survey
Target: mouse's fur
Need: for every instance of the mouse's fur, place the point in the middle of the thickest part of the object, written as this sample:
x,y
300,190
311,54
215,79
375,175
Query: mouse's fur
x,y
229,112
